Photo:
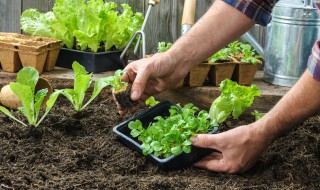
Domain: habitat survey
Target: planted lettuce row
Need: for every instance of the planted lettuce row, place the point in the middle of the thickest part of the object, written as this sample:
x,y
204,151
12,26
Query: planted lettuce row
x,y
24,89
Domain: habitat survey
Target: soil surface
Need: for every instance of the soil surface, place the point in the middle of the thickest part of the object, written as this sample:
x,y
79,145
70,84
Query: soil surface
x,y
79,151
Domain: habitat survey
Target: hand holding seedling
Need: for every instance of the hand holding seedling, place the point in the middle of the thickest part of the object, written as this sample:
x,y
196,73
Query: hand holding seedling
x,y
153,75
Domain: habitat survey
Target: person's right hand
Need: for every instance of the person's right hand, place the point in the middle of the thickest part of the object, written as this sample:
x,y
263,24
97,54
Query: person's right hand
x,y
150,76
237,150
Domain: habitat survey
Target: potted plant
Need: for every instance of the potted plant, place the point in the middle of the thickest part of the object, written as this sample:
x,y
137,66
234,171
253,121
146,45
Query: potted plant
x,y
92,33
166,145
162,132
222,66
247,65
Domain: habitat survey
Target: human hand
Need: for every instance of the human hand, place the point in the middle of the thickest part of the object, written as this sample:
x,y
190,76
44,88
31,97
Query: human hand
x,y
153,75
237,149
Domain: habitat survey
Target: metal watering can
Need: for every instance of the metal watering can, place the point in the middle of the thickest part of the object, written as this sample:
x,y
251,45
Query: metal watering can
x,y
294,28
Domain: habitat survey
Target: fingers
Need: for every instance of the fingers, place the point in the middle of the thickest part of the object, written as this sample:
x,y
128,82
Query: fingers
x,y
139,84
205,141
212,164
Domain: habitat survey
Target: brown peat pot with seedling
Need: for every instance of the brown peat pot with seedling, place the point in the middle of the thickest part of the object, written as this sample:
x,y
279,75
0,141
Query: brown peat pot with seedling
x,y
93,33
222,66
247,65
121,91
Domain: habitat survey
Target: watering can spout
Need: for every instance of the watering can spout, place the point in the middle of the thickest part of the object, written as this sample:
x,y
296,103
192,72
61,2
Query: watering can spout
x,y
248,38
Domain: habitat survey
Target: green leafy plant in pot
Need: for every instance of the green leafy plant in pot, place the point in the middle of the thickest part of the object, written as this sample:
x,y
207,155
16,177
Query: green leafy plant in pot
x,y
247,66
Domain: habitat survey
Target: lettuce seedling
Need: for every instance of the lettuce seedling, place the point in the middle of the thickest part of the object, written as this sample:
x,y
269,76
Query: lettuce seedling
x,y
234,99
257,115
171,135
24,89
233,48
220,56
121,90
82,82
163,46
151,101
249,54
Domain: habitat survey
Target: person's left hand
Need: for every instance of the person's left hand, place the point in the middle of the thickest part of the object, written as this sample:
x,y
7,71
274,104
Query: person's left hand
x,y
237,149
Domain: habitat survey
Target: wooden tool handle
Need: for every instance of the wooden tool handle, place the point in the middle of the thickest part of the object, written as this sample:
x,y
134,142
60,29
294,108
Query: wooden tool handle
x,y
189,11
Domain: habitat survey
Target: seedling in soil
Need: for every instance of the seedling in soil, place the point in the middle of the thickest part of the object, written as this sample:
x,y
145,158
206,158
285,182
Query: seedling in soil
x,y
121,90
171,135
234,99
151,101
220,56
24,89
257,115
234,48
249,54
82,81
163,46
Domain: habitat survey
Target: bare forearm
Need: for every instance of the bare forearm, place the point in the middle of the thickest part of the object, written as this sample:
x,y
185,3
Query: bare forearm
x,y
301,102
221,25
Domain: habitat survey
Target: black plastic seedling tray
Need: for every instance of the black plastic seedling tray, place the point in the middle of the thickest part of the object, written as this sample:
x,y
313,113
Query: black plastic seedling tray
x,y
93,62
171,163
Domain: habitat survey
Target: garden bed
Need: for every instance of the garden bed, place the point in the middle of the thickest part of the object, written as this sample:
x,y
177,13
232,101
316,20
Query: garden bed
x,y
80,151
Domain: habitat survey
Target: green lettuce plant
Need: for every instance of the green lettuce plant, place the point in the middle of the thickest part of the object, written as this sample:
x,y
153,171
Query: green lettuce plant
x,y
221,55
151,101
92,25
234,100
257,115
82,82
249,54
24,89
171,135
163,46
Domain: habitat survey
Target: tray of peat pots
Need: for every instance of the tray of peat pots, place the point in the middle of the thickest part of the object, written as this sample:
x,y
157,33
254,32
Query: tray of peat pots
x,y
162,133
94,42
18,50
247,64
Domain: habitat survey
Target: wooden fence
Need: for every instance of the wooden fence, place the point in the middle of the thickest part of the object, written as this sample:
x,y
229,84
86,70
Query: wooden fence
x,y
164,23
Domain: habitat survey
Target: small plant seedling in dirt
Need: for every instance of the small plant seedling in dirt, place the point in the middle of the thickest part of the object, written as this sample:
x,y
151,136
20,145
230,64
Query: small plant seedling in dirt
x,y
257,115
163,46
233,48
82,81
151,101
121,90
171,135
249,55
24,89
234,99
220,56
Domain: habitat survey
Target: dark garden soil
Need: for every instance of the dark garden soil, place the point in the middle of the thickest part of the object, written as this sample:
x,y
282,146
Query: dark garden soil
x,y
80,151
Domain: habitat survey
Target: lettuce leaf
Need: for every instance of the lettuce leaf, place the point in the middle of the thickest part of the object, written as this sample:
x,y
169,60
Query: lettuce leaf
x,y
84,25
234,99
24,89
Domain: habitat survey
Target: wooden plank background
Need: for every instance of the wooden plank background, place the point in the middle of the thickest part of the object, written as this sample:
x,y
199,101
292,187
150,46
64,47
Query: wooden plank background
x,y
164,23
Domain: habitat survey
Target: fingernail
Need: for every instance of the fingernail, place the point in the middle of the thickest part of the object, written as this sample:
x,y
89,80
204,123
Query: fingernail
x,y
193,139
134,95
